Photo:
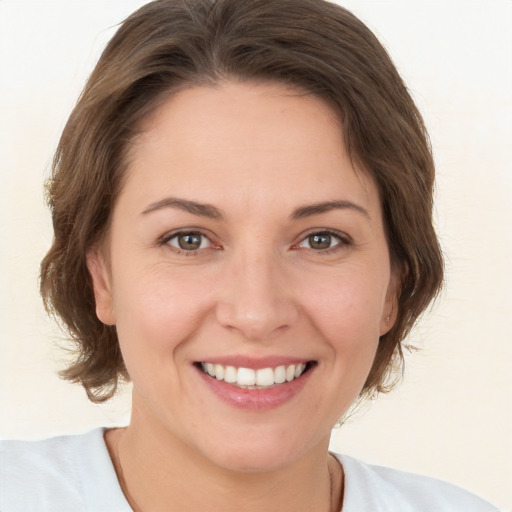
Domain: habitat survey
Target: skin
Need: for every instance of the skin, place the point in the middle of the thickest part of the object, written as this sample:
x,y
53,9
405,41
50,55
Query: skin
x,y
257,287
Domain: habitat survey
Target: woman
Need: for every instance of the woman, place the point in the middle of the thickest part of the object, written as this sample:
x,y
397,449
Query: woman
x,y
242,205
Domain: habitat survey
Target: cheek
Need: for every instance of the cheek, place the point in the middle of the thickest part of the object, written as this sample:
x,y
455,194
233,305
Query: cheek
x,y
155,318
345,315
155,312
347,306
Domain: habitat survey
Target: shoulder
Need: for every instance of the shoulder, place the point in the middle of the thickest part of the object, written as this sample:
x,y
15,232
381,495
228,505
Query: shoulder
x,y
53,474
35,472
377,488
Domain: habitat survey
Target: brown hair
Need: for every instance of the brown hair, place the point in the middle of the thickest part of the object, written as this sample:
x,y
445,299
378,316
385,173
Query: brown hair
x,y
166,45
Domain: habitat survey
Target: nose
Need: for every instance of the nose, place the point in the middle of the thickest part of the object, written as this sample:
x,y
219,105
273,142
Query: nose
x,y
257,299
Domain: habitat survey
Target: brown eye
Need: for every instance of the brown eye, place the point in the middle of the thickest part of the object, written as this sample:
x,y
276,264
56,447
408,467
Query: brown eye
x,y
189,241
322,241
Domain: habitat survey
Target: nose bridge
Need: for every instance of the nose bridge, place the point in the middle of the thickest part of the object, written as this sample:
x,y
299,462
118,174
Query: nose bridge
x,y
256,300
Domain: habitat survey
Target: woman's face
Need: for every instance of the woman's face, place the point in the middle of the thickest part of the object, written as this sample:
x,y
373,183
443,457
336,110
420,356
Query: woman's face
x,y
245,244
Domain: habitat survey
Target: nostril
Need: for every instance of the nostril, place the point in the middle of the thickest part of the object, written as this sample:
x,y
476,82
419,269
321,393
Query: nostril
x,y
257,320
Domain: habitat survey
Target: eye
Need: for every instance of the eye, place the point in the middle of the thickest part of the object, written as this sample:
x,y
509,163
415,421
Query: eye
x,y
322,241
189,241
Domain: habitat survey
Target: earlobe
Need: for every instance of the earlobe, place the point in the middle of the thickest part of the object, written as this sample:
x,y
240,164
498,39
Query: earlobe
x,y
387,322
390,311
101,282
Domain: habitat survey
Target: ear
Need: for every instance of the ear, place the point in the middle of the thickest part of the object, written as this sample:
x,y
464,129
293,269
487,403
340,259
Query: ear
x,y
102,285
390,310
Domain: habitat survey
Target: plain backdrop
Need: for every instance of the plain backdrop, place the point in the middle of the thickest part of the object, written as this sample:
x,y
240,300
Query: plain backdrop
x,y
452,416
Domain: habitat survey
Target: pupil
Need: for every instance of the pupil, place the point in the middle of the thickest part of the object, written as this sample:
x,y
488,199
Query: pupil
x,y
190,241
320,241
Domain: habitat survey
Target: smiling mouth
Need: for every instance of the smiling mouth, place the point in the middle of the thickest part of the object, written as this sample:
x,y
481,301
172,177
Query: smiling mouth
x,y
262,378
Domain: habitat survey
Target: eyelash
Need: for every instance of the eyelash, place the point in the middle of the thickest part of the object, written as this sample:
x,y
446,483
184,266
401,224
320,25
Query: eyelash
x,y
166,239
343,241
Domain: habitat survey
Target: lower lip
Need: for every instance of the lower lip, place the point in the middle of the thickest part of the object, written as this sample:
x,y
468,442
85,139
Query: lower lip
x,y
256,399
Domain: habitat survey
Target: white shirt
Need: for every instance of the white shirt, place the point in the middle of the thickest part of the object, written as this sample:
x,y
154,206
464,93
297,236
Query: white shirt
x,y
76,474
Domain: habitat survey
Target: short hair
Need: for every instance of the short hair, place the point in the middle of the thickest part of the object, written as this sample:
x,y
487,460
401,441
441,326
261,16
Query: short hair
x,y
167,45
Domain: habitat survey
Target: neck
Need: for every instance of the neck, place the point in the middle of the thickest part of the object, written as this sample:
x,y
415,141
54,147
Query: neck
x,y
156,470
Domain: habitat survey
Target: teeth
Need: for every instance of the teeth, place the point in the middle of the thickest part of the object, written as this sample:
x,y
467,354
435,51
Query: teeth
x,y
219,371
254,379
246,377
230,374
265,377
299,369
280,375
210,369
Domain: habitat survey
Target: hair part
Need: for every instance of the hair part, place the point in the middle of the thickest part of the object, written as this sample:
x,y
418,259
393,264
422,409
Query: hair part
x,y
167,45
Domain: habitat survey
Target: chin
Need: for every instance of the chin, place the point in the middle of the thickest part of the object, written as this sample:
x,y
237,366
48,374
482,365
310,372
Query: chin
x,y
260,449
249,459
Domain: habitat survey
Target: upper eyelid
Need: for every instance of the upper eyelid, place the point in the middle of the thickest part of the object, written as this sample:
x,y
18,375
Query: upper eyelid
x,y
343,236
329,231
176,232
165,241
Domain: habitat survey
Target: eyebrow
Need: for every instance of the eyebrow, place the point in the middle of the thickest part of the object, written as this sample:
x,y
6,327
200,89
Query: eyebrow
x,y
318,208
211,212
201,209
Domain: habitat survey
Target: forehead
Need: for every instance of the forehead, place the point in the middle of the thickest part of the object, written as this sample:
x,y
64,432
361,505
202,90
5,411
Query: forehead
x,y
266,141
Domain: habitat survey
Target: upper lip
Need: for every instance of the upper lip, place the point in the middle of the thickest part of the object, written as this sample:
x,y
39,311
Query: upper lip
x,y
256,363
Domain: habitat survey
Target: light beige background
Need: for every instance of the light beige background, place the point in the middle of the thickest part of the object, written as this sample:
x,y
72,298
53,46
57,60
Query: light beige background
x,y
452,415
